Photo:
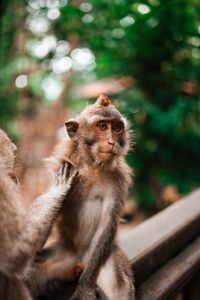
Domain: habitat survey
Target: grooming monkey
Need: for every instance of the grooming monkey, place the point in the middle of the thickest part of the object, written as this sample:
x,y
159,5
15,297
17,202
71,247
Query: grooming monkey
x,y
97,142
23,231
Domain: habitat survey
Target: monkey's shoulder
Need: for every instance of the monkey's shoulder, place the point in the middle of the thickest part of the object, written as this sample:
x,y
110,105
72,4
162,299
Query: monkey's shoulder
x,y
123,171
120,173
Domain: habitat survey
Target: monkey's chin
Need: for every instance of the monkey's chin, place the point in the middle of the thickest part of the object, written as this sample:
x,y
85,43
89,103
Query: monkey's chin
x,y
106,155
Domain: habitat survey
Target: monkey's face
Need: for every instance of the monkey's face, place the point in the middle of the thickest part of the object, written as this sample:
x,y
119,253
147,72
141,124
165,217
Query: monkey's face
x,y
107,138
100,132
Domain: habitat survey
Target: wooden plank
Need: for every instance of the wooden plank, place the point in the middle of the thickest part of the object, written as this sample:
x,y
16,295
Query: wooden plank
x,y
192,289
173,276
152,243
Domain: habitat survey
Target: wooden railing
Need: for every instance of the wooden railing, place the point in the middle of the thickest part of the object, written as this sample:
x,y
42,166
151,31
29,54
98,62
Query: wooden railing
x,y
164,252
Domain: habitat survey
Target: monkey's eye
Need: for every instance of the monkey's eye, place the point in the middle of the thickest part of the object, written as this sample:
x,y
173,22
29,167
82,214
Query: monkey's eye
x,y
117,128
102,126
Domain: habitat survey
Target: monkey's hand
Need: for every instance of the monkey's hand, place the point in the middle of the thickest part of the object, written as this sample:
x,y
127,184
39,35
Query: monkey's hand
x,y
84,292
65,176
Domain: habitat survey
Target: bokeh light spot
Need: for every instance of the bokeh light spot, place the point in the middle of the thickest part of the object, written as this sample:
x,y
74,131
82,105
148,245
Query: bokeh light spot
x,y
88,18
60,65
21,81
52,88
127,21
82,57
53,14
63,47
118,33
143,9
86,7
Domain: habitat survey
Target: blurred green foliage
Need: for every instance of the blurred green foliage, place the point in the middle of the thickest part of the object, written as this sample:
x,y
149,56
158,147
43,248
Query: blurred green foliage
x,y
8,25
156,42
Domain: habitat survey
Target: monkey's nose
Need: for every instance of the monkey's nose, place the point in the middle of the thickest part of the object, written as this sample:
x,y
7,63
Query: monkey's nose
x,y
111,143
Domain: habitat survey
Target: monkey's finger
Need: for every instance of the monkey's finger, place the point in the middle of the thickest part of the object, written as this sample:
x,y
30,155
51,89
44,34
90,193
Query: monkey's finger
x,y
63,168
60,172
71,179
56,178
59,176
63,172
68,170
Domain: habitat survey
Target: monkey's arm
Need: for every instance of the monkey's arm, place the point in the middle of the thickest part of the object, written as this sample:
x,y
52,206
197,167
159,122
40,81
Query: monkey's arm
x,y
12,215
42,212
101,246
24,232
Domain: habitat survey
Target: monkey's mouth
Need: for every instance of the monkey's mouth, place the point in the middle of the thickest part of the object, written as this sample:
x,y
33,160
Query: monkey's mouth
x,y
106,154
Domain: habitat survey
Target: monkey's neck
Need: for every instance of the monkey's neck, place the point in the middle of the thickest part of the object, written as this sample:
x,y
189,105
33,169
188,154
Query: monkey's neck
x,y
92,167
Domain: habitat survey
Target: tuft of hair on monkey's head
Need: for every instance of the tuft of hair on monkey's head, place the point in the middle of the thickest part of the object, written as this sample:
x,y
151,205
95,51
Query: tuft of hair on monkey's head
x,y
103,100
102,104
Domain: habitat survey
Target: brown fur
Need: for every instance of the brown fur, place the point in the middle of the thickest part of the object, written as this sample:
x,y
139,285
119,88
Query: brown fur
x,y
23,231
89,218
75,272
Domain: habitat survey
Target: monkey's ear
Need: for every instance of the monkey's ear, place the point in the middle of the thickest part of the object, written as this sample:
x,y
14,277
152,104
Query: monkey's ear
x,y
72,127
103,100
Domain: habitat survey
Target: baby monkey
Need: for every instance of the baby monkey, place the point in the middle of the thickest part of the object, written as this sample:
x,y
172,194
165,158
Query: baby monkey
x,y
98,139
23,232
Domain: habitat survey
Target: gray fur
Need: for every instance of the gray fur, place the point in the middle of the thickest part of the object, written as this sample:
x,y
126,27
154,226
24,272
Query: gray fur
x,y
23,231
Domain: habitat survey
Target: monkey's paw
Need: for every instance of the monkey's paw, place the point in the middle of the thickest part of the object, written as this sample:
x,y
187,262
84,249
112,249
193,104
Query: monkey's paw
x,y
83,293
66,175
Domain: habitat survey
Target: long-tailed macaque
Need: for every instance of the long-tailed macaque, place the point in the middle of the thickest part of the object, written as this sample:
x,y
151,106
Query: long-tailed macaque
x,y
23,231
97,142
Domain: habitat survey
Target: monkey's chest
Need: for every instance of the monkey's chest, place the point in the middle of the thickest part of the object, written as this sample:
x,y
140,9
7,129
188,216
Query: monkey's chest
x,y
82,220
89,217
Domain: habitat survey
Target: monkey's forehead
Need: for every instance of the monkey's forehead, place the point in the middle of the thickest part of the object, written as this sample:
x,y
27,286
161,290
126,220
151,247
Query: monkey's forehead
x,y
90,119
93,112
106,112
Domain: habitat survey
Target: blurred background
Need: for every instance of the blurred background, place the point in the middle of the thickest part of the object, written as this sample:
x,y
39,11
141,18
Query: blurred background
x,y
58,55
